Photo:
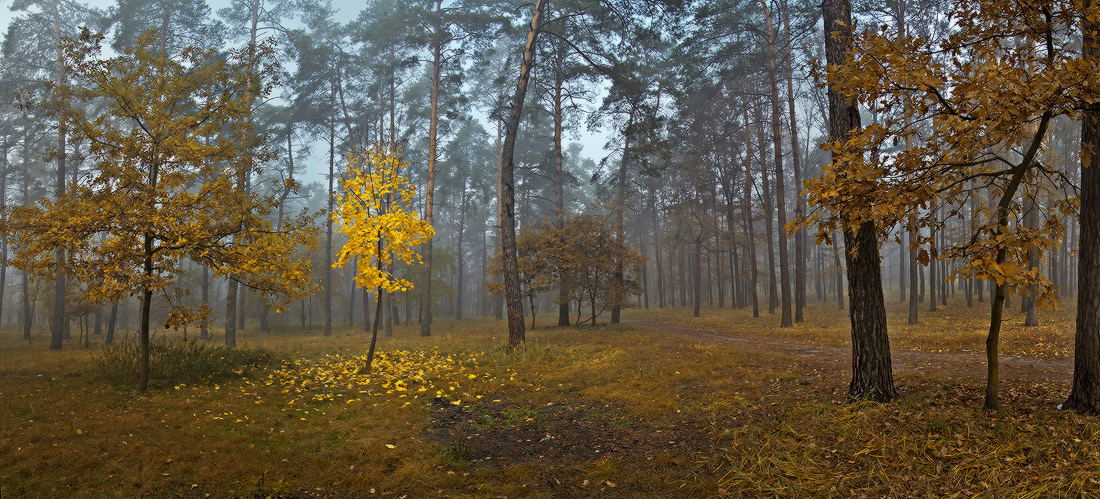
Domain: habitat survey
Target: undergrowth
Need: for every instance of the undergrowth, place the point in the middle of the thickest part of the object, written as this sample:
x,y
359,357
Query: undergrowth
x,y
178,361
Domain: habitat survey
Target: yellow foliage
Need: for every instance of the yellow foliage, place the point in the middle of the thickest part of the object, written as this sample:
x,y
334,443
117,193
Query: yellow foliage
x,y
375,213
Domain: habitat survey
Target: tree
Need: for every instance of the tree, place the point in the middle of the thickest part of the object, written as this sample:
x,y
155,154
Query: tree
x,y
167,152
583,256
375,212
977,116
1085,392
507,200
180,23
872,376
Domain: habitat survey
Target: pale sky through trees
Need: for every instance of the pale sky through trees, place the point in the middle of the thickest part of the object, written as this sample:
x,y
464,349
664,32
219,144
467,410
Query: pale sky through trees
x,y
592,143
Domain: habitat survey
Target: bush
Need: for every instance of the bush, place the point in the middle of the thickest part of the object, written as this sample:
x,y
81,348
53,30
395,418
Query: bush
x,y
175,362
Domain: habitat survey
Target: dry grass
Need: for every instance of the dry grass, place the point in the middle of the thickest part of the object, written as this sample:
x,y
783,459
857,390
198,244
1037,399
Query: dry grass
x,y
625,411
951,328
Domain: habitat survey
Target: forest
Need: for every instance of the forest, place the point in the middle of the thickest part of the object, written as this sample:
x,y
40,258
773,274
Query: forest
x,y
549,248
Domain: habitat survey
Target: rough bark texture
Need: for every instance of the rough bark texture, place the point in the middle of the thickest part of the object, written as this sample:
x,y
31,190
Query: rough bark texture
x,y
512,294
872,376
1085,393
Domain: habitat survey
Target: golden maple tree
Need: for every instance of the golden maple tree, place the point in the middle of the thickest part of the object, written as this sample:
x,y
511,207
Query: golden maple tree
x,y
167,145
374,211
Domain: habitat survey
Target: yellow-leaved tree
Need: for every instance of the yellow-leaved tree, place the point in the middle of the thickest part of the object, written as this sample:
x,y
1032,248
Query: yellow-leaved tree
x,y
167,143
374,211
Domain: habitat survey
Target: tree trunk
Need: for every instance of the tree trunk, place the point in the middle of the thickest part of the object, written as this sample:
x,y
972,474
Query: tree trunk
x,y
559,169
913,278
4,239
657,249
903,272
508,202
1031,220
1084,395
872,376
697,279
746,207
933,284
796,160
773,287
620,217
461,254
429,192
204,326
60,322
146,301
326,298
112,321
780,196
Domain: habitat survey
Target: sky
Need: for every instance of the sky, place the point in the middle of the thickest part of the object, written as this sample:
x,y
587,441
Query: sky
x,y
592,143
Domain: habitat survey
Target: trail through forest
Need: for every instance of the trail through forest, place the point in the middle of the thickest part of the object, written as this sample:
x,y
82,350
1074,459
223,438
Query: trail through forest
x,y
965,364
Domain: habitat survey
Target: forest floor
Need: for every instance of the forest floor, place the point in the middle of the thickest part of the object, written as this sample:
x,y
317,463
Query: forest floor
x,y
665,405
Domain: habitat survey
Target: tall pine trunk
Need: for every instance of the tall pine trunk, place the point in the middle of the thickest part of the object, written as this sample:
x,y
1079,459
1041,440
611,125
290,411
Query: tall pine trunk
x,y
780,194
429,191
796,160
746,207
60,318
513,297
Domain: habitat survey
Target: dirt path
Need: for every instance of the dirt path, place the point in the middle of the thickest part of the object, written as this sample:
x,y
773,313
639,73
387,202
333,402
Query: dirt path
x,y
949,364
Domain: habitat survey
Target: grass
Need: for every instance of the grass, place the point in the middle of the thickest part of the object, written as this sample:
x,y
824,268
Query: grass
x,y
951,328
607,411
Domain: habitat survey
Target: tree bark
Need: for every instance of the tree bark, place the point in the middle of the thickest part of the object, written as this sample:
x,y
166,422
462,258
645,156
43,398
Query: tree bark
x,y
513,297
1031,220
112,321
60,322
326,298
780,196
204,326
796,160
657,249
559,170
872,376
913,278
620,217
746,206
933,284
773,288
1084,394
429,191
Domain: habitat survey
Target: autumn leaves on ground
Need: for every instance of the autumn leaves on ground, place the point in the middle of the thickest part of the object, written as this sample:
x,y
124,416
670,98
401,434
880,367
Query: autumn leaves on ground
x,y
663,406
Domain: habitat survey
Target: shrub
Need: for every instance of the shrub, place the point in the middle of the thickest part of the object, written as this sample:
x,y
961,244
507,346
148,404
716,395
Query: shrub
x,y
175,362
